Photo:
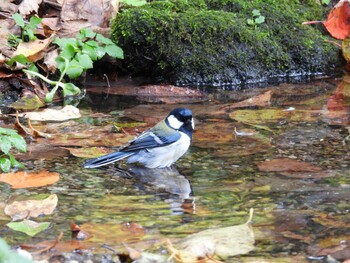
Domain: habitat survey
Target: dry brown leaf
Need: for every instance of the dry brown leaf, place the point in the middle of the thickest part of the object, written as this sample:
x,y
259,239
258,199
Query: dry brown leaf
x,y
31,130
50,60
259,100
66,113
96,12
28,180
222,242
33,50
31,208
91,152
28,6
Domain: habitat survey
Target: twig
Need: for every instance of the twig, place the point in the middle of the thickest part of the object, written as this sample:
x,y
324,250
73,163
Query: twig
x,y
58,239
109,86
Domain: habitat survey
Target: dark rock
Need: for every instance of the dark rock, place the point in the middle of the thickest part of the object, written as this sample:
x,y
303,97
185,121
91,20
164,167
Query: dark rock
x,y
209,42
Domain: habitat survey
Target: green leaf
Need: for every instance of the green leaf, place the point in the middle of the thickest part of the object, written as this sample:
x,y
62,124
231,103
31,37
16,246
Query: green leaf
x,y
18,19
74,69
31,228
34,21
88,33
259,20
62,42
68,51
20,59
91,43
5,164
250,22
13,40
134,2
69,89
5,143
18,142
100,52
15,163
85,61
104,40
256,12
90,51
33,67
114,51
60,63
30,34
8,255
7,131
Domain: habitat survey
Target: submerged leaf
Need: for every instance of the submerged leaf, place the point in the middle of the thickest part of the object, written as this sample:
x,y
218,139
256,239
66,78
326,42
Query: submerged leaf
x,y
222,242
31,208
27,180
29,227
273,115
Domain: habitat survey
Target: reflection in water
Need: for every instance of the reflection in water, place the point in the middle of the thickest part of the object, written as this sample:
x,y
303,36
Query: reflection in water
x,y
168,180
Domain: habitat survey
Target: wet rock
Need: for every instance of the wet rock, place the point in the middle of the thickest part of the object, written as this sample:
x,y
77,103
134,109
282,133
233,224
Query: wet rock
x,y
207,42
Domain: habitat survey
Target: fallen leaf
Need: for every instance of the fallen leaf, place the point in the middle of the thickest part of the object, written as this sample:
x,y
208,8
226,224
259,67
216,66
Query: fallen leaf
x,y
273,115
31,130
91,152
66,113
28,6
29,227
27,102
221,242
259,100
31,208
96,12
337,23
27,180
33,50
286,164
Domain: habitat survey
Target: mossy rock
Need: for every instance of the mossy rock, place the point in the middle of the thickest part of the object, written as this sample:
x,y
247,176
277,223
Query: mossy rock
x,y
209,42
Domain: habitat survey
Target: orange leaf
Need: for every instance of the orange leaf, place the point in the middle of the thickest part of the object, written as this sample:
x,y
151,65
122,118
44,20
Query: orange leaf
x,y
338,22
27,180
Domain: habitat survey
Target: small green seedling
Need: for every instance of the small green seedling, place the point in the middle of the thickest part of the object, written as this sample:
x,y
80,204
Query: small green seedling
x,y
27,29
10,139
256,19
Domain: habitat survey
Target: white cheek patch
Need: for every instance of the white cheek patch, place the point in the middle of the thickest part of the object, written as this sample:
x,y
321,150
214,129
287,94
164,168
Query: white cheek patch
x,y
192,123
174,122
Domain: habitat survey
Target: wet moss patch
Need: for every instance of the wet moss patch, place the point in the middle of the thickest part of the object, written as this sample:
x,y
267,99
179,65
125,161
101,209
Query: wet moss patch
x,y
209,42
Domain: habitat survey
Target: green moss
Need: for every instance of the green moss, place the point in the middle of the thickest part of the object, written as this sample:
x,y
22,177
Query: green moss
x,y
210,41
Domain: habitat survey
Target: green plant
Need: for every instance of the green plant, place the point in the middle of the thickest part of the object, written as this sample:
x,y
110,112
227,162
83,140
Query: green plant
x,y
256,19
27,29
133,2
9,139
77,56
81,51
7,255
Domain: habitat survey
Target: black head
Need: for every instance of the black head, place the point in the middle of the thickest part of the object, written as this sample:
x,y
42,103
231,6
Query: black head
x,y
181,119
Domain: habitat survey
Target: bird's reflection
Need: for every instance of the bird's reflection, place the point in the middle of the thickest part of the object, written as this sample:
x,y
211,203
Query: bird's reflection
x,y
168,180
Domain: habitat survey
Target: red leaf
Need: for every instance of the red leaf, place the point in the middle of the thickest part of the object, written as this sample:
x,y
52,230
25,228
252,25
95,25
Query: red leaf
x,y
338,20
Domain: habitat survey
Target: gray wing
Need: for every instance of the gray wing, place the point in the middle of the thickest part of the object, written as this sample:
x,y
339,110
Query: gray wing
x,y
160,135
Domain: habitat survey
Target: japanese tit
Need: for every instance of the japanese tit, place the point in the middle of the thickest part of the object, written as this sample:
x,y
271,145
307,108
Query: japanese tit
x,y
157,147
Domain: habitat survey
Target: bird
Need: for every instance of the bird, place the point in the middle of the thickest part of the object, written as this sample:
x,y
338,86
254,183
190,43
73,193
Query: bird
x,y
158,147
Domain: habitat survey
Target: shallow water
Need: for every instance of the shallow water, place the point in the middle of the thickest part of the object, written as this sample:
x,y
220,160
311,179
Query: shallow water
x,y
217,182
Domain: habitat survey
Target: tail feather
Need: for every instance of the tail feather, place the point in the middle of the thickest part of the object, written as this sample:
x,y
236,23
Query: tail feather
x,y
106,159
